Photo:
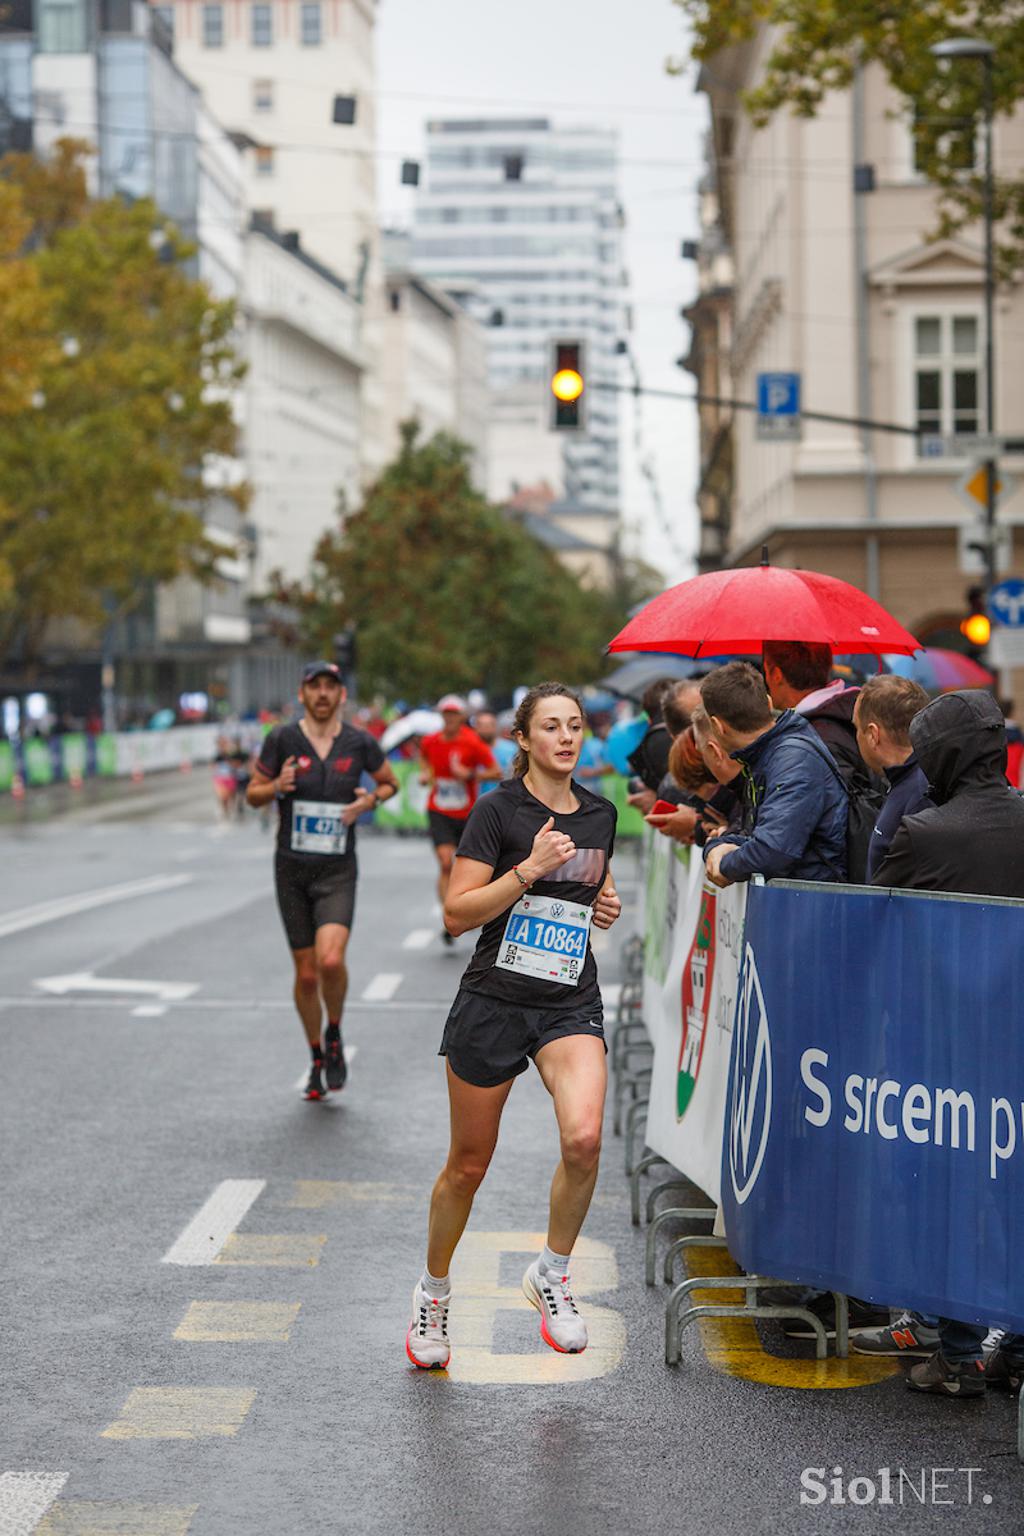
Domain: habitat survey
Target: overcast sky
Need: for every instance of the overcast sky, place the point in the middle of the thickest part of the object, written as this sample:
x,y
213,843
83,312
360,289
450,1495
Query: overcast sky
x,y
600,61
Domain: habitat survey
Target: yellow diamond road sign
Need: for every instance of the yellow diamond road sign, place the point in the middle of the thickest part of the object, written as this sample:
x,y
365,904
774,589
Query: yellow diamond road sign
x,y
973,484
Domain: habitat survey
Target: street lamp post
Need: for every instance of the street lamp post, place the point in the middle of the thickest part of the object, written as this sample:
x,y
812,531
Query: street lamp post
x,y
978,48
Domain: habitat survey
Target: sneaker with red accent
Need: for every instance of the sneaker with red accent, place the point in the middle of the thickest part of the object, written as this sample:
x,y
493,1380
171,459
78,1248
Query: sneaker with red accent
x,y
426,1343
561,1325
906,1336
314,1088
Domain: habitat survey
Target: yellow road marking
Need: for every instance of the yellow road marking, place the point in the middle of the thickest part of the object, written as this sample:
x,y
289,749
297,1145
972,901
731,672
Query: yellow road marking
x,y
480,1296
99,1517
320,1194
735,1349
286,1250
238,1322
181,1413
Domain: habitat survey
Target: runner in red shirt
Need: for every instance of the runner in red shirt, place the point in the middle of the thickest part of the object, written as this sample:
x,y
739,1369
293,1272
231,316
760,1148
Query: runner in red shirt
x,y
454,761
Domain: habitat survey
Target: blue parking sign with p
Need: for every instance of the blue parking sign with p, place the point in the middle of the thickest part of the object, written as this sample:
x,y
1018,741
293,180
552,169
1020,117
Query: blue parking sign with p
x,y
778,394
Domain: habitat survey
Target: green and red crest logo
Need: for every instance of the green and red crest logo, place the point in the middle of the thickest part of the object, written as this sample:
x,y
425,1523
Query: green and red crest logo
x,y
698,973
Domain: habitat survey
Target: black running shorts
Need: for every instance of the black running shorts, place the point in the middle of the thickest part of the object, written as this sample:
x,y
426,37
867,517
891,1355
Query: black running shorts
x,y
312,892
445,829
488,1041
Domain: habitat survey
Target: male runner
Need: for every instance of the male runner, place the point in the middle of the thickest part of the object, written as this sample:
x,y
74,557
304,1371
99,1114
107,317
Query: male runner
x,y
485,723
313,767
454,760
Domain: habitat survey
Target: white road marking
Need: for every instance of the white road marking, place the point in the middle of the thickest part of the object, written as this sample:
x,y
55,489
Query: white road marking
x,y
383,987
149,1011
208,1231
85,981
420,938
24,1499
351,1052
86,901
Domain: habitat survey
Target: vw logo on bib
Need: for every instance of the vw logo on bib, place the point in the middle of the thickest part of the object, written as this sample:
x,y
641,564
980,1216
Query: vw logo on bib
x,y
557,909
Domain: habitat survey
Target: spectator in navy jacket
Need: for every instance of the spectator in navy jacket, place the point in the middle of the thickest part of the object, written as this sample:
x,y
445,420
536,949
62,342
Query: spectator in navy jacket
x,y
794,802
882,714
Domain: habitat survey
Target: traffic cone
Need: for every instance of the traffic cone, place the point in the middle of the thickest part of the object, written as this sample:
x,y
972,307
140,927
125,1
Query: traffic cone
x,y
17,787
137,773
75,780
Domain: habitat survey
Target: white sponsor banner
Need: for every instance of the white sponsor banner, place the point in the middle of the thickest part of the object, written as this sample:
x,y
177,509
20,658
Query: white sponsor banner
x,y
153,751
691,976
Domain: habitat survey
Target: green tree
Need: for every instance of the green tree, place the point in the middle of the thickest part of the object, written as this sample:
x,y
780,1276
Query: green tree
x,y
816,50
445,591
101,462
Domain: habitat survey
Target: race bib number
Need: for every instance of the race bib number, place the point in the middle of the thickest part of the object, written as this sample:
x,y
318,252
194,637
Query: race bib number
x,y
317,827
547,939
451,795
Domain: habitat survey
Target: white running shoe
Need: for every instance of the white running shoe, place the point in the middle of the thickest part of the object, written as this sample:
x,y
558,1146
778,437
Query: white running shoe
x,y
560,1323
426,1343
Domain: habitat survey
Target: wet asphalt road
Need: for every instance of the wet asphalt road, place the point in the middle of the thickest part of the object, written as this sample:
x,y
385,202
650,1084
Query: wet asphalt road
x,y
268,1393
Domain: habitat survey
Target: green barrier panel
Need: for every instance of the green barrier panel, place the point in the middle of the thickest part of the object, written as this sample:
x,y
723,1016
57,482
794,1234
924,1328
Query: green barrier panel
x,y
106,756
73,756
615,788
6,765
401,812
38,762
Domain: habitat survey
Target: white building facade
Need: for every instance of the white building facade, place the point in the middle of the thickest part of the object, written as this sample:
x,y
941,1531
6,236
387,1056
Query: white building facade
x,y
841,280
302,401
433,367
269,70
525,217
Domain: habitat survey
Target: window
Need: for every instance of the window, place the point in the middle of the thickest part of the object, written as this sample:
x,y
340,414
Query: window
x,y
263,95
954,140
947,374
261,26
63,26
264,160
213,26
311,24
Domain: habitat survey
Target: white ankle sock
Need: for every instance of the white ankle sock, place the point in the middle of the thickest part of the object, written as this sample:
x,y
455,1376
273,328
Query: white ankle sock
x,y
554,1263
439,1289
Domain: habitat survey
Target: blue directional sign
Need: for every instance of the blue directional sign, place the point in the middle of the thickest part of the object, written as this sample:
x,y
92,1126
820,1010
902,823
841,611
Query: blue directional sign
x,y
778,406
1006,603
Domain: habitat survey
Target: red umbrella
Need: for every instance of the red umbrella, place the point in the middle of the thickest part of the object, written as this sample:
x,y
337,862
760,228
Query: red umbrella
x,y
735,612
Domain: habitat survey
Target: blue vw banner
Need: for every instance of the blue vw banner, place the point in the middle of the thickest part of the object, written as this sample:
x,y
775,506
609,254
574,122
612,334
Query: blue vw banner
x,y
874,1133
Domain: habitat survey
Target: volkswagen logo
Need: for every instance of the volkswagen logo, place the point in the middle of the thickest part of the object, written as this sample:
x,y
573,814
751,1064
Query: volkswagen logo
x,y
557,910
751,1084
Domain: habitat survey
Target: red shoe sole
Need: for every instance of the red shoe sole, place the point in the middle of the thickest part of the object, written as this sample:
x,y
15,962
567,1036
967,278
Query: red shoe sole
x,y
419,1364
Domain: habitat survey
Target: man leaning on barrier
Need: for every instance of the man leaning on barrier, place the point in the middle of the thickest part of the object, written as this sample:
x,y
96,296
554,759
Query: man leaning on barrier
x,y
793,821
970,841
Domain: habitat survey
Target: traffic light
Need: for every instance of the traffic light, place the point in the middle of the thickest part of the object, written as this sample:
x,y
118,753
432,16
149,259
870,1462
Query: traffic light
x,y
976,626
567,386
345,651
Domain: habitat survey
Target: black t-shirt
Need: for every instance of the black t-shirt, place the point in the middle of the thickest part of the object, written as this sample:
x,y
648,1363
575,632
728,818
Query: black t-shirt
x,y
500,832
333,779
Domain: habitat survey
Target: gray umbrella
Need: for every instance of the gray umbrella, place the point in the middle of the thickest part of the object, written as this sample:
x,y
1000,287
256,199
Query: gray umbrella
x,y
630,680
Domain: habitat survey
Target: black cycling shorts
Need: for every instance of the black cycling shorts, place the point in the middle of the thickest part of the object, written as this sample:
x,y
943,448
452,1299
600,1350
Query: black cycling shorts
x,y
312,892
445,830
488,1041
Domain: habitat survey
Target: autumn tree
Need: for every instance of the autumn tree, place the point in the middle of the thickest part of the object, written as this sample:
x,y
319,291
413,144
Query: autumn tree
x,y
444,590
816,49
125,397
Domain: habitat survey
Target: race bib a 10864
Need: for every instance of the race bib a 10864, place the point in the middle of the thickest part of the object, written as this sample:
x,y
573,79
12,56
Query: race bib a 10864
x,y
546,938
317,827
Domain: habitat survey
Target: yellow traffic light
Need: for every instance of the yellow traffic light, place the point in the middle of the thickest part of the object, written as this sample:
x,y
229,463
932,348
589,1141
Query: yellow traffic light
x,y
976,628
567,385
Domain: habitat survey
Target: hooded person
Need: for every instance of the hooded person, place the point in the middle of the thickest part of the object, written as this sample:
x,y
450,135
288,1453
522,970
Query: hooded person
x,y
969,841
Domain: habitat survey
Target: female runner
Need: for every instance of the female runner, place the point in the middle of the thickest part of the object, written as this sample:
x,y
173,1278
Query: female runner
x,y
533,872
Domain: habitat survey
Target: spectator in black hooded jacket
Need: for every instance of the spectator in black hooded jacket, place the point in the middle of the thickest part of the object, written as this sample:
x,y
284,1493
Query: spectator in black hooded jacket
x,y
971,840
